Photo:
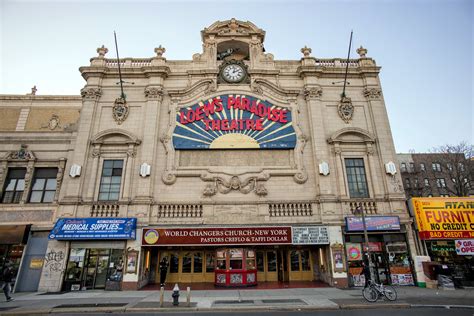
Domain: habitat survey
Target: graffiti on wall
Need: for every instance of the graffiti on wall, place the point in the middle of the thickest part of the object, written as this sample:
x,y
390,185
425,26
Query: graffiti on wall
x,y
54,260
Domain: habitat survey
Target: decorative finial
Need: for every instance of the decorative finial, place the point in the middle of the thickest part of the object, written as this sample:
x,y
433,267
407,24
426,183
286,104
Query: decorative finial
x,y
362,51
306,51
33,90
160,50
102,51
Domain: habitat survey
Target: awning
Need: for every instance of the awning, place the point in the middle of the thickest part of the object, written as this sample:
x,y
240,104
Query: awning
x,y
14,234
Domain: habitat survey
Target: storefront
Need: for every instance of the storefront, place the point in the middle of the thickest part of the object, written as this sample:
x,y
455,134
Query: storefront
x,y
236,256
13,239
388,248
97,251
446,231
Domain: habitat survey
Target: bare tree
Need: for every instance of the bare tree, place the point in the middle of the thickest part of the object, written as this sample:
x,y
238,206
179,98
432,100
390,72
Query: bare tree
x,y
457,162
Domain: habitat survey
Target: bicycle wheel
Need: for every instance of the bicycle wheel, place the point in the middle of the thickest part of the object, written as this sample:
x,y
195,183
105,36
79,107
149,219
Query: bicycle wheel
x,y
390,293
370,294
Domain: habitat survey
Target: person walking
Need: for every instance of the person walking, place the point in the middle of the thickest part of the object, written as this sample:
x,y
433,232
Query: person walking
x,y
7,276
366,272
163,271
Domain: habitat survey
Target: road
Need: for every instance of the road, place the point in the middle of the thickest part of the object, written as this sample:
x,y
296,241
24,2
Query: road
x,y
356,312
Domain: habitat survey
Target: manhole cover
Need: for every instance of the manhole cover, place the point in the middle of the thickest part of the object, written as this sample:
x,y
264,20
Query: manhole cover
x,y
91,305
233,302
284,301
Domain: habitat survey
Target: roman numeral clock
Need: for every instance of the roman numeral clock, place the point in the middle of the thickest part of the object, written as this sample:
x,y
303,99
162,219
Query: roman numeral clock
x,y
233,71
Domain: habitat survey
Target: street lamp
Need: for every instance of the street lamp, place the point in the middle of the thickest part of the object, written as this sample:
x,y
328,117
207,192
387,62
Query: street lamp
x,y
359,211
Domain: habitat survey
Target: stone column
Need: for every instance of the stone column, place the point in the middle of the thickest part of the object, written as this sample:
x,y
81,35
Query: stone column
x,y
151,120
93,174
74,186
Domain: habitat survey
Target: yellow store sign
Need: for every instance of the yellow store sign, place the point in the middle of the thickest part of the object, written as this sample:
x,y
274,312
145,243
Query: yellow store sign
x,y
444,218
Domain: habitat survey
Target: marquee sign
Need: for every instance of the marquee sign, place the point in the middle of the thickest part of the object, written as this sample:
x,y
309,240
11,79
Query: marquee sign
x,y
234,121
216,236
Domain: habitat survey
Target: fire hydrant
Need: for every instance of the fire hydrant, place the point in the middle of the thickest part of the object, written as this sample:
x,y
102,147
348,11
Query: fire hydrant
x,y
175,295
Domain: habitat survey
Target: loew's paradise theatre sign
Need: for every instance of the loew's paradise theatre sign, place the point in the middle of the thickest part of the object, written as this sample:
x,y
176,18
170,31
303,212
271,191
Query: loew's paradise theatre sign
x,y
232,122
444,218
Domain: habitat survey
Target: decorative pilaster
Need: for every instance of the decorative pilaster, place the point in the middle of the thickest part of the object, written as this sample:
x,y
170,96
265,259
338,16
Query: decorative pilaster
x,y
95,154
129,162
59,177
28,179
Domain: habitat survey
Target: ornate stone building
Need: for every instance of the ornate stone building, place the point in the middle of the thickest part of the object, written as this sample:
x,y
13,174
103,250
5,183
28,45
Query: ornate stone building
x,y
236,167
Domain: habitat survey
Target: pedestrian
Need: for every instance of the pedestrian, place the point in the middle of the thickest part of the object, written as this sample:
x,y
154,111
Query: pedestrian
x,y
366,272
163,271
7,276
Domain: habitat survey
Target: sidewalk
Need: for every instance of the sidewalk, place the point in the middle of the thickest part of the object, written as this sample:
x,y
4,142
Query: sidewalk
x,y
278,299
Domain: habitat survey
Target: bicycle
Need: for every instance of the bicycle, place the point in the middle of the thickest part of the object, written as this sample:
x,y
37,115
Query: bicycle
x,y
375,291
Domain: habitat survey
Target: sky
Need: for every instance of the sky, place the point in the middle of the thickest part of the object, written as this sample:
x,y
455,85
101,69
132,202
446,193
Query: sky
x,y
425,48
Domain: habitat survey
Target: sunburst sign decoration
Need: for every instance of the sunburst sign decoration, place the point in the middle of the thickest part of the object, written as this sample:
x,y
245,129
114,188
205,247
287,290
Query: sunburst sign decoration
x,y
232,122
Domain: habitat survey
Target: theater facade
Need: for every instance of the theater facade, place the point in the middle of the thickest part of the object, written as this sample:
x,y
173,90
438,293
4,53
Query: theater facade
x,y
235,166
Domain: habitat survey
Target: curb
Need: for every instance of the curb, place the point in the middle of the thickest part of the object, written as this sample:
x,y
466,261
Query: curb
x,y
374,306
442,306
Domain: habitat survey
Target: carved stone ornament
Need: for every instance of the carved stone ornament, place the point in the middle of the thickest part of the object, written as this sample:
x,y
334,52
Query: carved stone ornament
x,y
154,93
361,51
372,93
91,93
345,109
102,51
53,122
159,51
313,93
120,110
22,154
223,186
306,51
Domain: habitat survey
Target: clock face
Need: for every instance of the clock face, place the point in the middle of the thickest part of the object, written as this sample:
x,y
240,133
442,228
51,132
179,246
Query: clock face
x,y
233,73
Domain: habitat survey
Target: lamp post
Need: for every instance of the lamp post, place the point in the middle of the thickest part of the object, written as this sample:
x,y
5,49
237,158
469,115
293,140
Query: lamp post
x,y
360,211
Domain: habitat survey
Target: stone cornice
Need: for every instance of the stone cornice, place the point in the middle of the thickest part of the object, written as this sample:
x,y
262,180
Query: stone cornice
x,y
11,97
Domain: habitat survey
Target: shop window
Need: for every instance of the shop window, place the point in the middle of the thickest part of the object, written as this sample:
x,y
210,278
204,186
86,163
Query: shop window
x,y
210,261
250,262
271,261
295,260
14,186
44,185
260,262
197,262
110,181
235,256
187,260
356,178
305,262
174,263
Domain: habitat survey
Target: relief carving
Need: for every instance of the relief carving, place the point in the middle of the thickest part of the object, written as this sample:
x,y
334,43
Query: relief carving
x,y
91,93
22,154
221,185
372,93
313,93
154,93
345,109
120,110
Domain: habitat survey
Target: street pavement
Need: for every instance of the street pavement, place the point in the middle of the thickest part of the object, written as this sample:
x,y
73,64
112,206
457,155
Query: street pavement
x,y
298,299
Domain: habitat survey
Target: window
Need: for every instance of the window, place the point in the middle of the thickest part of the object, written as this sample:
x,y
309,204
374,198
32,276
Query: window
x,y
461,167
436,166
440,183
356,178
403,167
407,183
412,167
427,182
422,167
14,186
416,183
44,185
110,181
449,166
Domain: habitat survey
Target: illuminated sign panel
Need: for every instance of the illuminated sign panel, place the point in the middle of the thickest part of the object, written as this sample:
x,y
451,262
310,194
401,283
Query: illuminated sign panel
x,y
444,218
234,121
